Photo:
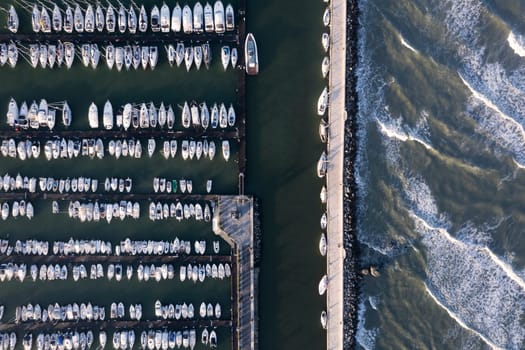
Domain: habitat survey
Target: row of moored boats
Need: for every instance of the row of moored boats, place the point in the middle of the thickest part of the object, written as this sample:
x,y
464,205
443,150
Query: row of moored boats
x,y
17,209
179,211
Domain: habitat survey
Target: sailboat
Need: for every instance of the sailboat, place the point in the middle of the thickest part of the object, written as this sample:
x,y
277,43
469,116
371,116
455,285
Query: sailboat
x,y
197,56
12,20
78,19
89,24
66,115
225,56
99,18
122,19
93,116
234,57
322,102
111,21
143,19
57,19
230,18
132,20
226,150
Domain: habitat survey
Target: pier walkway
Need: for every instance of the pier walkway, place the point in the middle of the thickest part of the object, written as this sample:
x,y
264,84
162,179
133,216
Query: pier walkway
x,y
334,176
233,221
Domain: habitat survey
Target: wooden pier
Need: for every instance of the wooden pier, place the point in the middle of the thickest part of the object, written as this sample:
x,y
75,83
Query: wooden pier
x,y
233,221
117,38
114,259
241,90
36,326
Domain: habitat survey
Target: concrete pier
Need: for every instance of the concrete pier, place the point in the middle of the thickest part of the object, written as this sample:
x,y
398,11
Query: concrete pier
x,y
233,221
334,177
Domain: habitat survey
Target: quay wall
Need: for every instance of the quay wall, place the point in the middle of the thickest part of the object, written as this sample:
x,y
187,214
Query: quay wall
x,y
351,276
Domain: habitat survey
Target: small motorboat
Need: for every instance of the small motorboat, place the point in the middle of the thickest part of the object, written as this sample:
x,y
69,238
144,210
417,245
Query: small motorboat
x,y
326,17
323,285
230,18
225,56
155,19
234,57
226,150
251,55
325,41
176,18
93,116
323,221
66,115
231,116
218,17
322,244
322,102
12,19
165,18
323,131
323,319
321,165
323,194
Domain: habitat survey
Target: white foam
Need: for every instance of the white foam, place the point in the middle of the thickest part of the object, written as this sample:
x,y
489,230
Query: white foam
x,y
517,43
395,133
407,45
364,337
459,321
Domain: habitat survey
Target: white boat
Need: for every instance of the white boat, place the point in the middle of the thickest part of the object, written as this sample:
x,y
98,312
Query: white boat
x,y
151,147
132,20
322,244
35,19
69,54
153,56
326,17
323,319
93,116
325,41
145,56
179,53
325,66
197,56
323,131
321,165
155,19
188,57
12,20
107,119
230,18
68,20
208,18
226,150
99,18
214,119
78,19
205,116
323,221
176,18
170,117
111,20
251,55
122,19
323,194
66,115
198,18
187,20
231,116
45,21
143,19
165,18
89,24
225,57
223,116
85,52
206,54
110,56
218,310
12,54
43,55
12,112
234,57
119,58
186,115
185,154
218,17
102,339
323,284
162,115
213,339
94,55
195,115
322,102
211,150
153,116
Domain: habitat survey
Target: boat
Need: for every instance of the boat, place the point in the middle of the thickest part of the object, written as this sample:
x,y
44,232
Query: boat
x,y
205,116
209,183
218,17
119,58
323,221
225,56
12,54
195,115
213,339
326,17
66,115
322,102
45,21
111,21
107,119
179,53
323,131
325,41
68,20
176,18
198,18
165,18
323,284
110,56
89,24
162,115
206,54
132,20
322,244
12,20
78,19
323,194
69,54
230,18
12,112
188,57
226,150
223,116
151,147
211,150
94,55
153,116
231,116
102,339
323,319
214,119
143,19
251,55
122,19
153,56
99,18
186,116
321,165
197,56
208,18
93,116
35,19
325,66
234,57
187,20
170,117
155,19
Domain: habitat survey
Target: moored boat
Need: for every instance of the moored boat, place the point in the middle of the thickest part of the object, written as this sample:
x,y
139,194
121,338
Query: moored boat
x,y
251,55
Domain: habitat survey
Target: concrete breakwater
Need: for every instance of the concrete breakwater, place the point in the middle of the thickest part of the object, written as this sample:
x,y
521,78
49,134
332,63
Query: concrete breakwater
x,y
350,274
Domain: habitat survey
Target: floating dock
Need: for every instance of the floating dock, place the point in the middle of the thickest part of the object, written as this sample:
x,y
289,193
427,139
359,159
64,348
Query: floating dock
x,y
234,222
334,177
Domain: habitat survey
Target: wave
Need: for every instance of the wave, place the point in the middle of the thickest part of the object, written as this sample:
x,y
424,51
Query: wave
x,y
394,132
366,338
407,45
459,321
517,43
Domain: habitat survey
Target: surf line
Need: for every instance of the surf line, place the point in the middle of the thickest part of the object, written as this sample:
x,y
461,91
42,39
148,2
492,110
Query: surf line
x,y
460,322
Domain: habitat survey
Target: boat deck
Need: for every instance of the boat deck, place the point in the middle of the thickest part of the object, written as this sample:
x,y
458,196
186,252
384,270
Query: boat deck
x,y
233,221
334,178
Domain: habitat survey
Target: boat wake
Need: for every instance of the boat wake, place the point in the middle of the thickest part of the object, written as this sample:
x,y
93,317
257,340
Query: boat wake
x,y
517,43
